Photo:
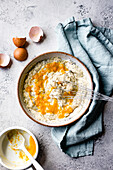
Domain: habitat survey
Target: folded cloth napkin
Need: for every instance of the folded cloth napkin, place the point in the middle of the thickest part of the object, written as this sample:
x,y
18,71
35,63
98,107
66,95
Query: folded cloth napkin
x,y
94,47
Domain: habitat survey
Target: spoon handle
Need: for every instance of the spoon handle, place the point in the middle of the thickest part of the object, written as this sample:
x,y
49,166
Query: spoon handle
x,y
34,162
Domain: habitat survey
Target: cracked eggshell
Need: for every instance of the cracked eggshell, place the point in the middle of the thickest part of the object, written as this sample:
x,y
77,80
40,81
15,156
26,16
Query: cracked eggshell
x,y
36,33
4,60
19,42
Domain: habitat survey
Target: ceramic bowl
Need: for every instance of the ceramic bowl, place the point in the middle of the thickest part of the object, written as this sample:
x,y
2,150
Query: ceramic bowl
x,y
63,56
9,158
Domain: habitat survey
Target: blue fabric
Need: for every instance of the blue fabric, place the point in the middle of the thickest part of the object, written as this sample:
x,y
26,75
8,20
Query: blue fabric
x,y
94,47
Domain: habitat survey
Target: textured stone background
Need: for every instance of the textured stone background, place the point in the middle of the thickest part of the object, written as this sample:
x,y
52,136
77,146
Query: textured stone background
x,y
16,18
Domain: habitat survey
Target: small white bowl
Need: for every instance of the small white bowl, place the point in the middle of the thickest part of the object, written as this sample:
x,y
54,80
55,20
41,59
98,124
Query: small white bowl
x,y
9,158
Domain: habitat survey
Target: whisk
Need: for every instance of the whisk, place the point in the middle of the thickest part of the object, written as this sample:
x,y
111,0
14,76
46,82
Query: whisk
x,y
87,93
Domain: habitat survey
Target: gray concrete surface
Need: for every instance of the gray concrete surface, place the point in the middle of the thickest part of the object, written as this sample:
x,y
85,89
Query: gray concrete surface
x,y
16,18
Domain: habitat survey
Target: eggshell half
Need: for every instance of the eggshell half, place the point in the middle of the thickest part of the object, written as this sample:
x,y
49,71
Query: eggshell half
x,y
19,42
36,33
4,60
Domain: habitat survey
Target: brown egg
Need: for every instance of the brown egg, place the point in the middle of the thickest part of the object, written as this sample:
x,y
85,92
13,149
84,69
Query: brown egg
x,y
20,54
19,42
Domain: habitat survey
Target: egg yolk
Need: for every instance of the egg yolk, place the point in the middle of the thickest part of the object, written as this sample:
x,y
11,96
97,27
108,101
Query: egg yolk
x,y
31,149
41,101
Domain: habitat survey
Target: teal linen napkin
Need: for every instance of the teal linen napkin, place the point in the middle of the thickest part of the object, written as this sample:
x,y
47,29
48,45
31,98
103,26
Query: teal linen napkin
x,y
94,47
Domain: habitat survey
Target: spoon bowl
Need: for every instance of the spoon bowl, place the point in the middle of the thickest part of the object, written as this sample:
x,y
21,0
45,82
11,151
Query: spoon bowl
x,y
16,139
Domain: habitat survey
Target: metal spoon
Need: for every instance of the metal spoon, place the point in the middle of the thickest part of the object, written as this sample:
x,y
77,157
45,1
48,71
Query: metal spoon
x,y
17,140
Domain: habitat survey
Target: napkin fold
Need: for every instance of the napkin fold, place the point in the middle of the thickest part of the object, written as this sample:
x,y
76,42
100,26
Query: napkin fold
x,y
94,47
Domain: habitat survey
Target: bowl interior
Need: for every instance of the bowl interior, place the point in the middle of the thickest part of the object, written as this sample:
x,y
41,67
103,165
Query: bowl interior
x,y
63,56
10,158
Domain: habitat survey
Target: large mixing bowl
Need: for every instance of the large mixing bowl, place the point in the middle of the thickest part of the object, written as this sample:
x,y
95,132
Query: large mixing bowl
x,y
48,55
